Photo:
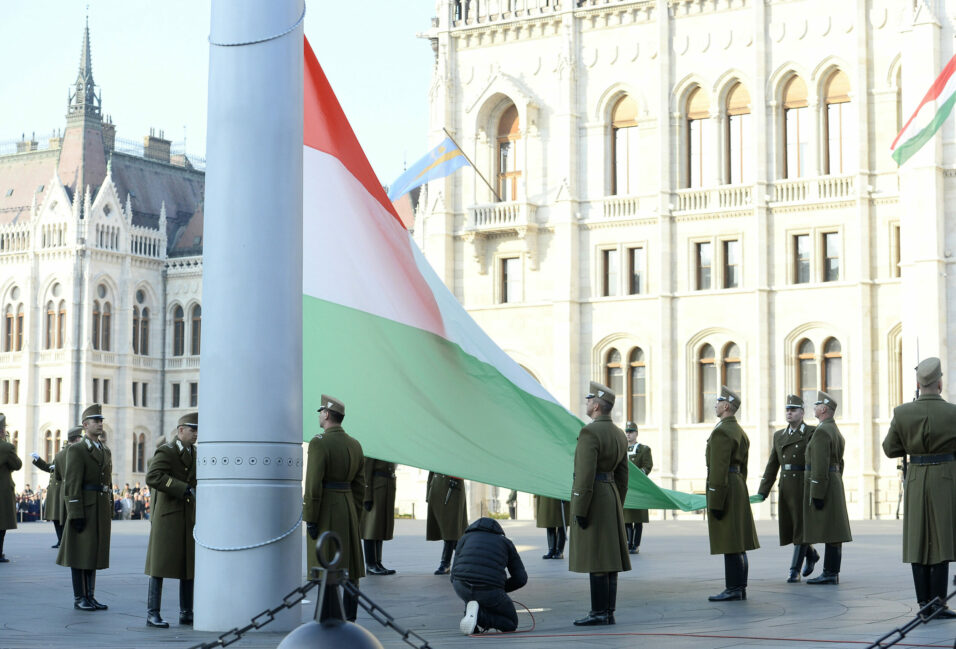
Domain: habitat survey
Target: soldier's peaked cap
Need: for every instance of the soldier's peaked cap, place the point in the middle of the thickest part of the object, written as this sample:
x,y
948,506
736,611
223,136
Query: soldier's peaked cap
x,y
793,401
93,412
629,426
825,399
74,432
602,392
333,404
190,419
726,394
929,371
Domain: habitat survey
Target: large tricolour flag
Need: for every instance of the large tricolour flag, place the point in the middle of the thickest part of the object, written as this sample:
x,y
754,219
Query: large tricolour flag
x,y
422,383
936,106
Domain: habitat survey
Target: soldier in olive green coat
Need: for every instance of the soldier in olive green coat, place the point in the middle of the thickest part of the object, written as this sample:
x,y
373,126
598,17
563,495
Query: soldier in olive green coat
x,y
334,491
731,521
640,456
789,453
378,515
9,462
172,550
54,508
825,518
553,515
598,544
926,430
87,490
447,514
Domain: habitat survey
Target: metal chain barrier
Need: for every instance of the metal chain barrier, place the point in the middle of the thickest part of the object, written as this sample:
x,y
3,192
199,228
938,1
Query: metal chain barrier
x,y
382,617
927,613
276,539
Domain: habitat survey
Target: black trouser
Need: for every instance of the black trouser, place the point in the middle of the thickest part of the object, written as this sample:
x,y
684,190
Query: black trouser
x,y
495,608
931,581
3,533
58,528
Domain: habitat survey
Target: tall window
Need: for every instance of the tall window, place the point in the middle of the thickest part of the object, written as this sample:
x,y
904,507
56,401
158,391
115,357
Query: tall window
x,y
831,257
614,379
838,124
96,325
175,395
801,258
624,147
19,339
704,265
139,453
509,137
96,390
510,280
8,329
59,389
611,271
48,390
637,408
895,271
135,393
796,128
740,145
48,446
806,371
193,395
105,324
179,331
706,380
57,442
730,368
135,329
106,390
61,325
698,139
49,336
144,332
635,262
731,263
16,440
195,330
833,370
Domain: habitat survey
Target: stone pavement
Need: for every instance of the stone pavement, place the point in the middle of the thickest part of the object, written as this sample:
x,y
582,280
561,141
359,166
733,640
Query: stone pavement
x,y
662,602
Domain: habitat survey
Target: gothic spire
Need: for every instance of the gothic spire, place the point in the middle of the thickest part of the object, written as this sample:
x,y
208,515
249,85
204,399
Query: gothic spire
x,y
83,97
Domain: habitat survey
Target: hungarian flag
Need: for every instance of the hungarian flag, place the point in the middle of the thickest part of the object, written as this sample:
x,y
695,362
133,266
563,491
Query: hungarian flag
x,y
936,106
423,385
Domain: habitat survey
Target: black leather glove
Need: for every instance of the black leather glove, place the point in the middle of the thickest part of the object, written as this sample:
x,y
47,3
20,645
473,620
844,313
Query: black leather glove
x,y
367,505
582,522
818,503
717,514
78,524
189,495
313,530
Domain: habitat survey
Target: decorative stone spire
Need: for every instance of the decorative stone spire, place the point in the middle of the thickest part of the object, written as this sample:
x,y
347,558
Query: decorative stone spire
x,y
83,97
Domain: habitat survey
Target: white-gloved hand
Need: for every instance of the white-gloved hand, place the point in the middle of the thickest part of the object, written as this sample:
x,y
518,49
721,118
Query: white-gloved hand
x,y
34,456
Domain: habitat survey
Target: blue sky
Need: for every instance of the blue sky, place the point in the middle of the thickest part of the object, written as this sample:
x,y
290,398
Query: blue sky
x,y
150,60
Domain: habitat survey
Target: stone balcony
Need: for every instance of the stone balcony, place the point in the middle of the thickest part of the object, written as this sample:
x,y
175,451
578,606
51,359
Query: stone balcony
x,y
501,219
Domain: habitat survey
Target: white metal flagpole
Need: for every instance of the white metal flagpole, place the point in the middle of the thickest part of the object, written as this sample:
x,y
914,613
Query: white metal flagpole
x,y
249,498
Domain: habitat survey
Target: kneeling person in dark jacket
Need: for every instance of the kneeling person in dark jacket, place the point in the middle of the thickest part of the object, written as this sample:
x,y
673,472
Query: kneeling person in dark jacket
x,y
478,576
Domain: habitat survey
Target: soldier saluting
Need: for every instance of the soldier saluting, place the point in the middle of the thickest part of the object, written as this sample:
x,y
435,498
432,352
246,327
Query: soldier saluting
x,y
926,430
788,455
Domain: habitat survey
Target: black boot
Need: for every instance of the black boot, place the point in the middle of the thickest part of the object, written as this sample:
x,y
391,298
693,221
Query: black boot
x,y
638,533
370,566
378,558
80,600
812,557
799,554
3,559
611,596
599,602
938,580
629,532
91,588
832,558
445,566
350,604
186,602
922,584
552,542
58,528
744,573
735,579
154,602
562,535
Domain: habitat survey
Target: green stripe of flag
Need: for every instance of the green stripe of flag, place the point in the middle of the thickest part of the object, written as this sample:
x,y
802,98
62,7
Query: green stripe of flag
x,y
905,151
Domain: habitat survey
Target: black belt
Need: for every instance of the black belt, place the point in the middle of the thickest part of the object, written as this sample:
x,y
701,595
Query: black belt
x,y
939,458
383,474
793,467
336,485
834,468
97,487
733,468
604,477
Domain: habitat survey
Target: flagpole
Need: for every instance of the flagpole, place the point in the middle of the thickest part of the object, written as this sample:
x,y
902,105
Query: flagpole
x,y
480,175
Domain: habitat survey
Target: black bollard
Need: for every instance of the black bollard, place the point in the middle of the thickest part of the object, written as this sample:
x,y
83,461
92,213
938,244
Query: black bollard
x,y
330,628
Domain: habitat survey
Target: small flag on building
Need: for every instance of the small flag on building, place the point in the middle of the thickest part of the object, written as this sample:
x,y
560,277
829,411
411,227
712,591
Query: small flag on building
x,y
437,163
928,116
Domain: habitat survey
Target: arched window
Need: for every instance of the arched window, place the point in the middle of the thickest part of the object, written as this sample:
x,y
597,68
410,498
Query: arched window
x,y
806,371
58,442
144,332
706,381
195,330
838,123
61,325
179,333
135,329
19,340
96,324
637,408
105,325
16,440
796,126
698,139
49,336
730,367
624,147
48,446
740,143
614,379
139,453
8,329
833,370
509,137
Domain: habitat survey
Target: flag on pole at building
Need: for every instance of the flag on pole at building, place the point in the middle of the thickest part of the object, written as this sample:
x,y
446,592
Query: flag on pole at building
x,y
936,106
437,163
422,384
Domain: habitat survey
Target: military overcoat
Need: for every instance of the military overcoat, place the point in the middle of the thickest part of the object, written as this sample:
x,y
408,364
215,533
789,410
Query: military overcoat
x,y
788,457
172,551
728,449
53,509
87,490
597,494
926,426
447,509
824,480
334,490
9,462
551,512
378,524
640,456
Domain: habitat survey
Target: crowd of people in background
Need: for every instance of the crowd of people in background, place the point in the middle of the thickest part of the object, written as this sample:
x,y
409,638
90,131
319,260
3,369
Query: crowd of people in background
x,y
129,503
